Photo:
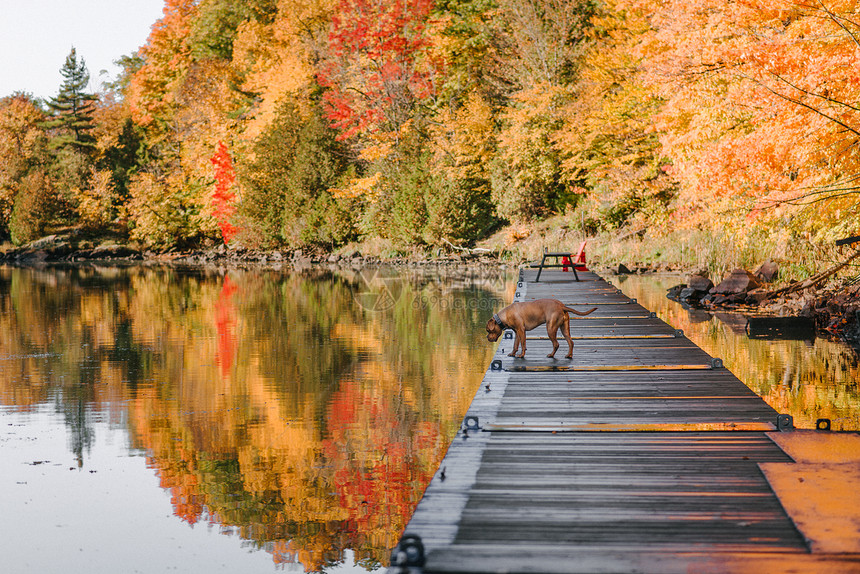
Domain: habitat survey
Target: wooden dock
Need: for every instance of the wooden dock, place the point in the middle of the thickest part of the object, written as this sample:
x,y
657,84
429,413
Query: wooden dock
x,y
641,454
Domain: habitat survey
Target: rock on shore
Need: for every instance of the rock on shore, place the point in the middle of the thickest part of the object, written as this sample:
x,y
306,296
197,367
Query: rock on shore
x,y
834,308
74,247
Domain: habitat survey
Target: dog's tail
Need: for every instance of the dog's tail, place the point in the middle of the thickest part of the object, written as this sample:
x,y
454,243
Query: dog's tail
x,y
575,312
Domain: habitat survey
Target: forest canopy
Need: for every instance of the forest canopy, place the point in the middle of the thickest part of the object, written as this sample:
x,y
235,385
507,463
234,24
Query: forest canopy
x,y
317,123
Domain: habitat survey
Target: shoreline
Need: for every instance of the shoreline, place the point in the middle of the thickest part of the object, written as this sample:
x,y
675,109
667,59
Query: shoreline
x,y
835,308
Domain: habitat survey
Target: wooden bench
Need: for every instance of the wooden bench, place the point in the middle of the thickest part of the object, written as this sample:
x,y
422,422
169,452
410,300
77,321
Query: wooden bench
x,y
572,261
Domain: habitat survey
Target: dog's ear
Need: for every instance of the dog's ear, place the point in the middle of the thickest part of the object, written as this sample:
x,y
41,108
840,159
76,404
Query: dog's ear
x,y
491,324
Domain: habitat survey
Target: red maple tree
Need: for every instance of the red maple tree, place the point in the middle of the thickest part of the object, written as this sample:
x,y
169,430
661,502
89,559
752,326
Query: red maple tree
x,y
379,66
224,199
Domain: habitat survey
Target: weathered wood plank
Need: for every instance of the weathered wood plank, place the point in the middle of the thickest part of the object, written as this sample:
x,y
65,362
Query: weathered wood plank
x,y
676,503
640,454
680,559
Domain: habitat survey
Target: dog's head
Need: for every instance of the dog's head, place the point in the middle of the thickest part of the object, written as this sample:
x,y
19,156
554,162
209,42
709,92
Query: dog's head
x,y
494,331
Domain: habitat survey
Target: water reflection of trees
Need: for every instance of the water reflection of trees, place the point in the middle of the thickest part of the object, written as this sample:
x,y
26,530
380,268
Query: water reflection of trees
x,y
272,404
805,379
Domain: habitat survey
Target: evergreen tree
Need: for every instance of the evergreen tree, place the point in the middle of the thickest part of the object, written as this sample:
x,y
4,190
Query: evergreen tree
x,y
72,109
123,158
287,187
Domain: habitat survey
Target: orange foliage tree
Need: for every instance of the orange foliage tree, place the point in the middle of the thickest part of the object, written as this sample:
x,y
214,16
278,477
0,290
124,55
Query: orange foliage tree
x,y
166,57
761,104
23,145
276,60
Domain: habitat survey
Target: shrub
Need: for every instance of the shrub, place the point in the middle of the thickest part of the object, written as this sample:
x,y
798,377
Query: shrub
x,y
35,206
460,211
168,211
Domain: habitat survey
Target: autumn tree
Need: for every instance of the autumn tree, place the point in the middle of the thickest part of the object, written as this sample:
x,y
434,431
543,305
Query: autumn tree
x,y
528,181
547,36
275,60
761,112
37,206
169,209
612,151
476,47
379,69
24,149
118,152
121,147
224,197
464,144
122,157
379,75
166,57
217,22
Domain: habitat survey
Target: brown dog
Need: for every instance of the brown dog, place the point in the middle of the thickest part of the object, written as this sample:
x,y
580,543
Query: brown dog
x,y
525,316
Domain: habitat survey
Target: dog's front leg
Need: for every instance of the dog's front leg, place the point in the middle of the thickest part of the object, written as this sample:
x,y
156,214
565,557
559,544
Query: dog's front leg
x,y
521,337
516,346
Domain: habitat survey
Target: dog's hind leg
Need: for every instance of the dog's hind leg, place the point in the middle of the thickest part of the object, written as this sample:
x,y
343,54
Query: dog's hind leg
x,y
552,332
565,330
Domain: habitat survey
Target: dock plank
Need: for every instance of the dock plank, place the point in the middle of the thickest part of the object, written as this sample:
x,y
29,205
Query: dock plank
x,y
640,454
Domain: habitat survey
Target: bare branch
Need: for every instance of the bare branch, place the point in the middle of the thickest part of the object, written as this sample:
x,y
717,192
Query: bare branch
x,y
830,14
838,23
813,94
799,200
815,279
799,103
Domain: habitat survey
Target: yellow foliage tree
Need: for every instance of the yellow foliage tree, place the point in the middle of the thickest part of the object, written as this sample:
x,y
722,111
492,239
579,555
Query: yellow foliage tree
x,y
527,183
276,59
22,142
95,204
609,142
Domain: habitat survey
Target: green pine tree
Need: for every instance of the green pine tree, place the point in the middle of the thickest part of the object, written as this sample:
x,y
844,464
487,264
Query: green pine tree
x,y
72,109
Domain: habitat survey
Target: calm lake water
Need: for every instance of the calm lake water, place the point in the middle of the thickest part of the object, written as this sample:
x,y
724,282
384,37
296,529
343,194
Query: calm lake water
x,y
807,379
158,419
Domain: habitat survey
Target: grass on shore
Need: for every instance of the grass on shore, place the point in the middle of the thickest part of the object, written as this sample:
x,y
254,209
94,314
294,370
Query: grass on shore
x,y
719,250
